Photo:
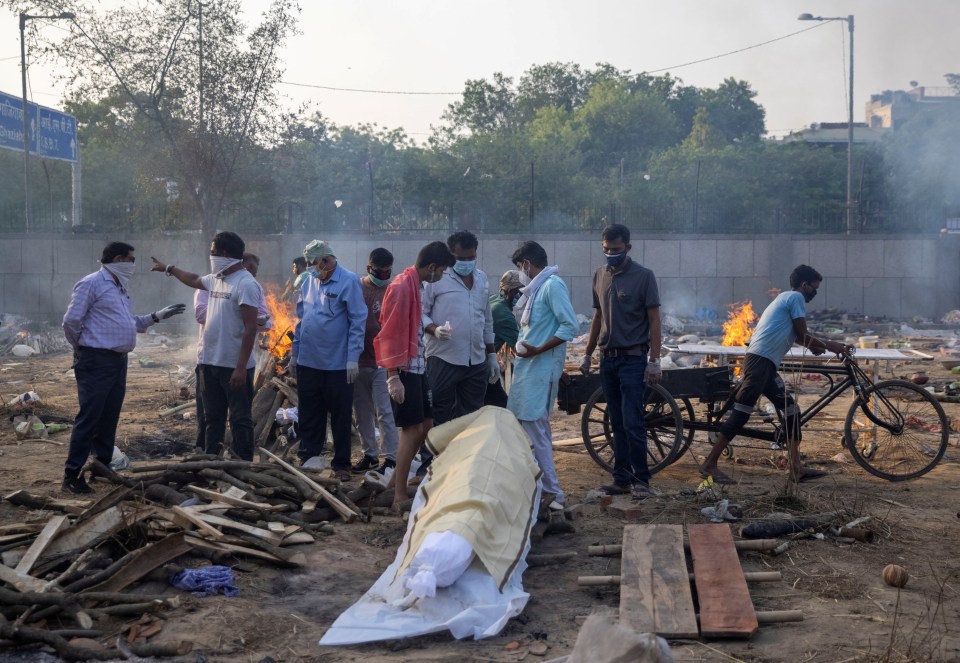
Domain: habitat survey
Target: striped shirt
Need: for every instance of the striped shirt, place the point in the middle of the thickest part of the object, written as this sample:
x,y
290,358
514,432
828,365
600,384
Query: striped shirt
x,y
99,315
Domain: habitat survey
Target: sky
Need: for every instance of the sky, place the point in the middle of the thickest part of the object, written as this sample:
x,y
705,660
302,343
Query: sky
x,y
436,45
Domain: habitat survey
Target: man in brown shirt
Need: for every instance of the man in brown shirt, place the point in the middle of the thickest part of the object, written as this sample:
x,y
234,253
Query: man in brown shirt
x,y
371,401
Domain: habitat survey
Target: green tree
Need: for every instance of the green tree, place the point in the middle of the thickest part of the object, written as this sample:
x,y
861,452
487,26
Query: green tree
x,y
151,52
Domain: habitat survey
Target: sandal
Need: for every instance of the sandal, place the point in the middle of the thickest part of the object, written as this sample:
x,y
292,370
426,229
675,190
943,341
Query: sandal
x,y
616,489
640,491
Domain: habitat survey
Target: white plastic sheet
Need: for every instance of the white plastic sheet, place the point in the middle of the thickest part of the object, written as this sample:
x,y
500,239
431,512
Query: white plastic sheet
x,y
472,606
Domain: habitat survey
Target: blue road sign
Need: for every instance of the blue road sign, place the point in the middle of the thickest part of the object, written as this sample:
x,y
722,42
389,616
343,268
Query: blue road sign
x,y
53,135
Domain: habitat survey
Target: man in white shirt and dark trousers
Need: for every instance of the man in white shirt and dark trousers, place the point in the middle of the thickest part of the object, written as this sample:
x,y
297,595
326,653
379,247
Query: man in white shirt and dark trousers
x,y
102,330
458,326
226,346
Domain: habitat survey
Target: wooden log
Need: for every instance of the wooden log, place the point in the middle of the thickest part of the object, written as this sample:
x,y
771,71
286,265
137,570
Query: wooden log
x,y
26,499
53,527
546,559
345,512
177,408
20,581
113,498
226,477
266,535
757,545
164,495
240,539
779,616
233,501
193,466
287,390
244,551
26,634
185,519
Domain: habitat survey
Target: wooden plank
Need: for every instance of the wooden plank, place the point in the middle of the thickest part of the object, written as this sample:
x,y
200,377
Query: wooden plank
x,y
726,610
197,542
21,581
53,527
145,560
195,520
233,501
266,535
101,526
654,589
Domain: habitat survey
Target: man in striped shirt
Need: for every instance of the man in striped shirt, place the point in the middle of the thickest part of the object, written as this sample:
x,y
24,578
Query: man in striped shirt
x,y
102,329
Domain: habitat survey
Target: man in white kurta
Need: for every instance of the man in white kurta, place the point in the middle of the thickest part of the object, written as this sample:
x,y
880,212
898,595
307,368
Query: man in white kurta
x,y
547,322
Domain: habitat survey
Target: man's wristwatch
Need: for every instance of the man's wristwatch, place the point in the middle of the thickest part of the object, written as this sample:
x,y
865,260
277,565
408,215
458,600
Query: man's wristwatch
x,y
169,270
155,318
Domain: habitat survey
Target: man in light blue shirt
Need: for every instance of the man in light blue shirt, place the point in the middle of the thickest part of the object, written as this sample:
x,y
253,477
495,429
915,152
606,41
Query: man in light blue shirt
x,y
783,322
547,322
326,351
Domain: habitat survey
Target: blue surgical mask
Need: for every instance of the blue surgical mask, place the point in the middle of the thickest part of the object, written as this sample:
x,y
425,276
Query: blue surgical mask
x,y
465,267
615,260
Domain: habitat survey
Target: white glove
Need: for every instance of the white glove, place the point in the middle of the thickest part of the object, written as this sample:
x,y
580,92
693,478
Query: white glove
x,y
653,374
586,363
170,311
395,389
493,368
353,370
442,333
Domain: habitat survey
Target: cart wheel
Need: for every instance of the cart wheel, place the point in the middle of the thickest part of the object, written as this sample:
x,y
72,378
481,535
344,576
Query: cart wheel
x,y
689,417
664,429
896,430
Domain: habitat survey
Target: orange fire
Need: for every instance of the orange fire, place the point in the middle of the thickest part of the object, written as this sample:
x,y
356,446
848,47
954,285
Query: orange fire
x,y
739,325
278,340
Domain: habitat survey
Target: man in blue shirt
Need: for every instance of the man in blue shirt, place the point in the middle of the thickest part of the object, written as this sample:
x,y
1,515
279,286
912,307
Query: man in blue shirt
x,y
327,344
783,322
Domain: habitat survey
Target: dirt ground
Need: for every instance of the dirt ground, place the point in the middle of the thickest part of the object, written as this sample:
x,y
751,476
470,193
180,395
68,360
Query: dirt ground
x,y
849,613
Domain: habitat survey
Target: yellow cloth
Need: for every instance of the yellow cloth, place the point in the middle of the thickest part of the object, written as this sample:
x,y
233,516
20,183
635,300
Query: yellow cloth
x,y
482,486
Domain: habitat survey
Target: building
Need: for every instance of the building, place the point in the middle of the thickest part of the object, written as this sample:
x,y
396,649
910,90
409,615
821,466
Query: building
x,y
891,108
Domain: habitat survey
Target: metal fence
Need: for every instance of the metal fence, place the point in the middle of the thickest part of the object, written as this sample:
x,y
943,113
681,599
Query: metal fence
x,y
294,216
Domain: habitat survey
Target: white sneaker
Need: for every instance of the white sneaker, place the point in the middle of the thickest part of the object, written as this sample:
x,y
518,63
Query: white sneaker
x,y
555,506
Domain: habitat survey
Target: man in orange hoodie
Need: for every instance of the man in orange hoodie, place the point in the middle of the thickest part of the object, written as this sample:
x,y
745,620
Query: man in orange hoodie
x,y
399,348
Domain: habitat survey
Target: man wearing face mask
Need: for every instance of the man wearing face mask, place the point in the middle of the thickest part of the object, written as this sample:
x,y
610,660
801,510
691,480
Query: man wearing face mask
x,y
101,328
783,322
547,322
225,350
371,401
327,344
461,359
505,331
626,324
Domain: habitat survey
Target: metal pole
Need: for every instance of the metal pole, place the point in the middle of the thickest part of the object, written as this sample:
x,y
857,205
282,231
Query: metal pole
x,y
26,126
851,226
533,197
76,190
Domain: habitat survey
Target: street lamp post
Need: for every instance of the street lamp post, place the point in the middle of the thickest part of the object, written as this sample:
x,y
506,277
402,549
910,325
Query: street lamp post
x,y
26,116
851,225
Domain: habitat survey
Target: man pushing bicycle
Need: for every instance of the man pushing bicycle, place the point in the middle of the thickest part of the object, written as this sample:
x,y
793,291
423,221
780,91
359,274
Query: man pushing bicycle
x,y
782,324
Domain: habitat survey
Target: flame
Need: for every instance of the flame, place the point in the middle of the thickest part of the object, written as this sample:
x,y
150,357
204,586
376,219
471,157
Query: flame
x,y
739,325
278,340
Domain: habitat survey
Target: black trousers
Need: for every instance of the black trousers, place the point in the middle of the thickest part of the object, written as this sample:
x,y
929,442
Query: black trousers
x,y
322,393
101,386
457,390
219,400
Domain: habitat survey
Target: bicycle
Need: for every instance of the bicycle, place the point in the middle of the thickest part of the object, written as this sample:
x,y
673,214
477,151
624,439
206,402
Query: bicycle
x,y
905,434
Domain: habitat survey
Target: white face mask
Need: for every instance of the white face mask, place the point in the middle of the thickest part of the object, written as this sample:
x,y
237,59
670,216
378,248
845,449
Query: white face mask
x,y
219,264
122,271
524,277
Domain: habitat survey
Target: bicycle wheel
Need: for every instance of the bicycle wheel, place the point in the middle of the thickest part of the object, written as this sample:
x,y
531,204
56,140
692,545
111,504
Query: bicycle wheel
x,y
664,424
902,431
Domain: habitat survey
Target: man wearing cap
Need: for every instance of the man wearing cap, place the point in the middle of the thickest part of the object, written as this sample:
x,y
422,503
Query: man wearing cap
x,y
225,350
505,331
102,330
458,322
327,344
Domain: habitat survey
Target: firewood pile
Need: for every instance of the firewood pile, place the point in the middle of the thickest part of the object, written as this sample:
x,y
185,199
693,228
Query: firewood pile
x,y
63,577
46,342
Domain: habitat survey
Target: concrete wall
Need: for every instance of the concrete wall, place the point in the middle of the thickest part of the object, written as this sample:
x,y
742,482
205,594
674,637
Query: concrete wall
x,y
874,276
